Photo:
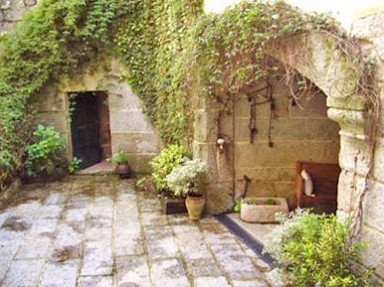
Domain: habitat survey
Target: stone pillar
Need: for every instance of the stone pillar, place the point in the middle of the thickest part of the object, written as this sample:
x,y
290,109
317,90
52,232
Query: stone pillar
x,y
220,189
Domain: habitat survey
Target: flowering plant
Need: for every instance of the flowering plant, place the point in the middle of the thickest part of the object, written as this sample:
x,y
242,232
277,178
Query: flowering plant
x,y
188,178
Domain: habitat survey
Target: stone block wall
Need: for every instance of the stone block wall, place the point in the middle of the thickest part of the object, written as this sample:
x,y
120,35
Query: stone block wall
x,y
297,134
355,158
130,130
12,11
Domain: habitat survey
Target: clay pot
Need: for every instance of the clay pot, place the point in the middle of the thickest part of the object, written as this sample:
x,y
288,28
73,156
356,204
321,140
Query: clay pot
x,y
123,170
195,206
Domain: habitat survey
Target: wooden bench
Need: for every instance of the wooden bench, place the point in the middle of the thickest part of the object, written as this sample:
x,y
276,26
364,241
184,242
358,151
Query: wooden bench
x,y
325,178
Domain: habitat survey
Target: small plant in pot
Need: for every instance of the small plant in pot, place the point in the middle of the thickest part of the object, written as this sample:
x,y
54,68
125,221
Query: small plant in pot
x,y
189,180
122,164
170,157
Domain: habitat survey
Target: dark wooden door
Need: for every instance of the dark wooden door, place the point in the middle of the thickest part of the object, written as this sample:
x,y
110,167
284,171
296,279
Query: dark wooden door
x,y
85,128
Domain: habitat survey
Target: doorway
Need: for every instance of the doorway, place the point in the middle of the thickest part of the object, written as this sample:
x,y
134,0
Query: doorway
x,y
91,139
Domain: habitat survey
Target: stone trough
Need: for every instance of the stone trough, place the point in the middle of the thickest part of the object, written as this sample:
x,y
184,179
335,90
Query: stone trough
x,y
262,209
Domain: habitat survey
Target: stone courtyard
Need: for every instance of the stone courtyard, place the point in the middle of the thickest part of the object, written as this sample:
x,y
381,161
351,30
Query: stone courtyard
x,y
98,231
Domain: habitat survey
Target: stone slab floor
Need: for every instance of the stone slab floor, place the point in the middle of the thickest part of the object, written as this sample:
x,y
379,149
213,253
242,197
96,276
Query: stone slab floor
x,y
98,231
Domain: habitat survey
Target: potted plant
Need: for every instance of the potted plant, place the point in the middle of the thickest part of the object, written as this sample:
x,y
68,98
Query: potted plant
x,y
122,164
189,180
170,157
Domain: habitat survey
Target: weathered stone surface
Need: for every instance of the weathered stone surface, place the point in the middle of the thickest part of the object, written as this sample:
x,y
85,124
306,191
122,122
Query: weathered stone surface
x,y
129,121
137,142
215,234
219,198
34,248
104,234
95,281
14,14
203,267
255,209
30,2
140,162
354,154
252,283
98,259
59,120
59,274
169,273
211,281
320,65
23,273
6,27
373,207
133,270
205,121
232,259
372,257
161,243
369,27
352,122
275,278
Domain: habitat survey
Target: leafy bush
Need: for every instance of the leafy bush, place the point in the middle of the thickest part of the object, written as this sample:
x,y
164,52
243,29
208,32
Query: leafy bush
x,y
46,153
119,158
170,157
188,178
74,165
316,251
237,207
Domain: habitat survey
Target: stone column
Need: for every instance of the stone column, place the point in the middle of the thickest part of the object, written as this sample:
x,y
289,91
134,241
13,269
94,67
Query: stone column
x,y
220,189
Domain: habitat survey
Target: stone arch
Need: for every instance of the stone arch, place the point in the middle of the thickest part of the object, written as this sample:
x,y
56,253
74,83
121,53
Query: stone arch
x,y
315,56
130,129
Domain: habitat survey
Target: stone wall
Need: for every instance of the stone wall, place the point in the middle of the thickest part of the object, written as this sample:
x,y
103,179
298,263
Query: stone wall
x,y
12,11
297,134
355,157
129,128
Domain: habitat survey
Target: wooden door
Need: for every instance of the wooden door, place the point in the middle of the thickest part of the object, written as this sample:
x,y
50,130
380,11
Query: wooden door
x,y
85,128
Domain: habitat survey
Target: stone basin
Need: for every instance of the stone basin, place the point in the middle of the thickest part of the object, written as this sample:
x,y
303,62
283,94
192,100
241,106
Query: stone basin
x,y
257,209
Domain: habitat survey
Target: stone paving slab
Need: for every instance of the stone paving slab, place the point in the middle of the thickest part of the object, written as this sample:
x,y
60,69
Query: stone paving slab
x,y
99,232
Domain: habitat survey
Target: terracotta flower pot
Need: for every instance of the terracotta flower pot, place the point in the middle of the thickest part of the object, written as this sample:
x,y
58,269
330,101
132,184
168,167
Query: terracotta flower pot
x,y
123,170
195,206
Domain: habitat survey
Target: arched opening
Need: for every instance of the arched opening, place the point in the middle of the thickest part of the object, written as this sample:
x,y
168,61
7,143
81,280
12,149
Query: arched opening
x,y
276,137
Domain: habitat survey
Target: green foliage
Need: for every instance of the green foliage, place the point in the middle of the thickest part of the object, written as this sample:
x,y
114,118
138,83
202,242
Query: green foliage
x,y
174,54
237,207
119,158
46,153
74,165
51,41
152,40
315,250
170,157
188,178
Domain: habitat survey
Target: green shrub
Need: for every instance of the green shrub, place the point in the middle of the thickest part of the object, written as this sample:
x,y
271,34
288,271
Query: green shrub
x,y
46,153
74,165
315,251
119,158
188,178
237,207
170,157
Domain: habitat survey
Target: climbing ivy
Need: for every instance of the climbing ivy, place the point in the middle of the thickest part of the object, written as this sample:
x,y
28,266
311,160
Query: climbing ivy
x,y
173,51
155,48
51,41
